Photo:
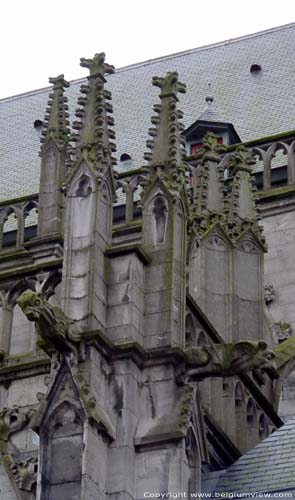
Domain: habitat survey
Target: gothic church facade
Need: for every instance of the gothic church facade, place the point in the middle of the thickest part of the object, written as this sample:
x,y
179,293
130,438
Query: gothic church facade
x,y
147,310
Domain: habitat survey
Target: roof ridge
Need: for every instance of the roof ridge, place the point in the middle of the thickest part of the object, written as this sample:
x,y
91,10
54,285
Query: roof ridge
x,y
205,47
161,58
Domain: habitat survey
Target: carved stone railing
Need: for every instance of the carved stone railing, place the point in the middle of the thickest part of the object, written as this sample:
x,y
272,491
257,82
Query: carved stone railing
x,y
126,208
275,160
18,221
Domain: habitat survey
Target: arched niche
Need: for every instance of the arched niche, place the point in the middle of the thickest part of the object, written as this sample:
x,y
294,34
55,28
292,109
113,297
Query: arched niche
x,y
155,218
160,215
190,331
216,263
30,218
9,228
136,197
215,281
202,339
119,207
80,205
195,269
240,417
279,169
61,453
252,424
248,290
193,461
104,213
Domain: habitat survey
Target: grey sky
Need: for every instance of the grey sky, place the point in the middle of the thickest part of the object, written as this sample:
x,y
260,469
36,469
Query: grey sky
x,y
41,39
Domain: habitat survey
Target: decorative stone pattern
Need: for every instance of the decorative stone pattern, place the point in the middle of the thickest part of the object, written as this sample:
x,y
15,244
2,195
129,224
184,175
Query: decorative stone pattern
x,y
93,140
167,153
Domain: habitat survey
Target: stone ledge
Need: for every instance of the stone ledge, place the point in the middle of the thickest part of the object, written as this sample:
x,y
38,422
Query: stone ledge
x,y
116,251
23,366
24,270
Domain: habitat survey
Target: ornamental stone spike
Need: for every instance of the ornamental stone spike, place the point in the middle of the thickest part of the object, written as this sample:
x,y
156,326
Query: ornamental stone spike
x,y
240,204
209,191
169,85
97,66
166,144
55,160
56,123
93,140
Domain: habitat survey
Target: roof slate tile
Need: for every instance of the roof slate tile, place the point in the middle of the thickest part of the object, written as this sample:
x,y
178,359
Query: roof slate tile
x,y
256,104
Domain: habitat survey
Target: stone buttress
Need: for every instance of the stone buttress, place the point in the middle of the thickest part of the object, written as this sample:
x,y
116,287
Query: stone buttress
x,y
165,212
89,197
226,250
124,413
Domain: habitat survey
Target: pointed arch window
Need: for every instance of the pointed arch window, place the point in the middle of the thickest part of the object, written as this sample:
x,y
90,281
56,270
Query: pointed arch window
x,y
193,459
160,216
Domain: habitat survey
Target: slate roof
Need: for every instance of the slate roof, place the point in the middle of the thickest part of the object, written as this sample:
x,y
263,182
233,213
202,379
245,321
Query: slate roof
x,y
257,104
211,112
270,466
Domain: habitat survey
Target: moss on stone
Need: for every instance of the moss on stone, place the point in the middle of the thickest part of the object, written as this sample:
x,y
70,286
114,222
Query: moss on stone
x,y
277,192
284,351
30,269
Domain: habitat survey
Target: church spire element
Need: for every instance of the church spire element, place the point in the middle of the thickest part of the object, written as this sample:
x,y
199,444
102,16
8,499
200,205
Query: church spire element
x,y
93,140
166,156
56,124
240,203
209,189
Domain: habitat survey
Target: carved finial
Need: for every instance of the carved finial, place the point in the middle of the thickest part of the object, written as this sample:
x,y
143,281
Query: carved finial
x,y
211,112
209,184
58,82
169,85
94,137
97,65
241,160
209,98
210,149
56,124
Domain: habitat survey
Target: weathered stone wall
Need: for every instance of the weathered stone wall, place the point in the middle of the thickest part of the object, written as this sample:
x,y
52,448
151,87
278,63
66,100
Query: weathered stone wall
x,y
279,228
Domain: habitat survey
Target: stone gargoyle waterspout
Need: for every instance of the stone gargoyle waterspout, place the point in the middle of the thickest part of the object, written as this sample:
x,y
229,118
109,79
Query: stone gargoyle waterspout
x,y
225,360
58,332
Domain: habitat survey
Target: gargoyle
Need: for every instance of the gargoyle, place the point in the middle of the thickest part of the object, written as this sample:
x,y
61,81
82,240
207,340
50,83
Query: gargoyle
x,y
225,360
58,332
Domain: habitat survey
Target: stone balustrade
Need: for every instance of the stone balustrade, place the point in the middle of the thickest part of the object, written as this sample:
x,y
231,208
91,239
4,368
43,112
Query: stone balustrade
x,y
275,161
126,208
18,221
